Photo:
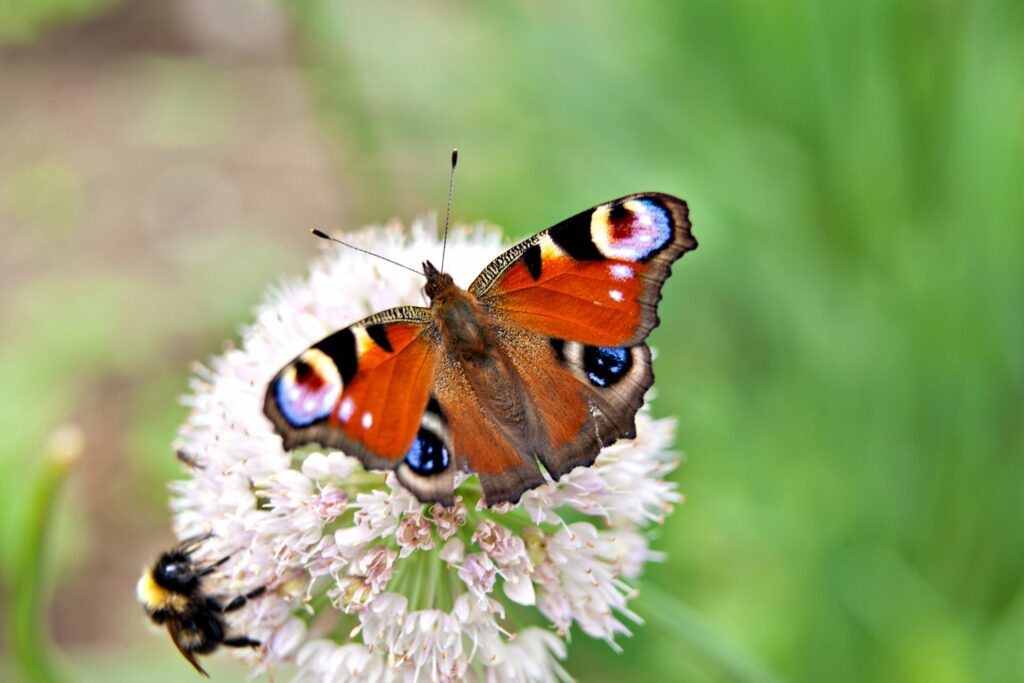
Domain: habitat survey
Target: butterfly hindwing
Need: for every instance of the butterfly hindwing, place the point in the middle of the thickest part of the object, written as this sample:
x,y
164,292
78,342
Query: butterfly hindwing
x,y
486,434
429,467
594,278
563,403
363,389
615,380
586,397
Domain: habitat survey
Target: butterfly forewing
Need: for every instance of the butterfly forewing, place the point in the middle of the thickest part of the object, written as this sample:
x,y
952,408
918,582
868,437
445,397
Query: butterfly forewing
x,y
363,389
594,278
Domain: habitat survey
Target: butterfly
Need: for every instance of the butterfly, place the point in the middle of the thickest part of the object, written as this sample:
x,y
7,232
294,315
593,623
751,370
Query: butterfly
x,y
542,357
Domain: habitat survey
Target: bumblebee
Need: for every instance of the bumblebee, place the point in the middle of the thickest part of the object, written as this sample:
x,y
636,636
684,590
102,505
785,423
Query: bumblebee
x,y
171,592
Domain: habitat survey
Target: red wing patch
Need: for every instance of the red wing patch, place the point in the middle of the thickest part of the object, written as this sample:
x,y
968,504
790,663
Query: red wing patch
x,y
595,302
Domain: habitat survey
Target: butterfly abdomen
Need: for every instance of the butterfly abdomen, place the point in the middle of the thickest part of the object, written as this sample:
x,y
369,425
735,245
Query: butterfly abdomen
x,y
469,335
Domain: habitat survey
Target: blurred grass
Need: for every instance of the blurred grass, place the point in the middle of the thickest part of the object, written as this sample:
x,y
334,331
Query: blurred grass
x,y
843,352
22,21
28,630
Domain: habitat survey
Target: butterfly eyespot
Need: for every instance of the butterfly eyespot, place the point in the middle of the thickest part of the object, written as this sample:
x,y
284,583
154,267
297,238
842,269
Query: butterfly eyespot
x,y
633,230
304,372
307,390
428,455
605,366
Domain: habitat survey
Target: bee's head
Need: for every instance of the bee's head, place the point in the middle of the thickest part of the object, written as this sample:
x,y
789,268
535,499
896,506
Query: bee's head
x,y
175,572
163,589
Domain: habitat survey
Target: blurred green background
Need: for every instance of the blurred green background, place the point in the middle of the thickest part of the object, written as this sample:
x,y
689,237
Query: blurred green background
x,y
844,353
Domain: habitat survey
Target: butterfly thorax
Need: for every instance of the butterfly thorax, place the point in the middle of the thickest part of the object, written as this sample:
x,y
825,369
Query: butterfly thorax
x,y
466,328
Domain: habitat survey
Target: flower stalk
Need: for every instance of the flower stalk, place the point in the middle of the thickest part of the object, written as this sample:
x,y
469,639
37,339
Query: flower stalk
x,y
29,641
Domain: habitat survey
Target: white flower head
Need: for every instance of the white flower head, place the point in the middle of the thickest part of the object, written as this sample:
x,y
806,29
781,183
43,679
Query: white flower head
x,y
364,582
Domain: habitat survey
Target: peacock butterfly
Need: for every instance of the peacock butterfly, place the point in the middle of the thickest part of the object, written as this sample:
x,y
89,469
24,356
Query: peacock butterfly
x,y
542,357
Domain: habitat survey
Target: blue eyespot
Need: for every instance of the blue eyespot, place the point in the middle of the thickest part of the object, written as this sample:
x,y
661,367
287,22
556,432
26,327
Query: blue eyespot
x,y
606,365
307,390
428,454
636,230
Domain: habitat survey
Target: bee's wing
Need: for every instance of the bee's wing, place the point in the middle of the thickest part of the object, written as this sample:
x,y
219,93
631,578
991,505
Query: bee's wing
x,y
177,637
192,542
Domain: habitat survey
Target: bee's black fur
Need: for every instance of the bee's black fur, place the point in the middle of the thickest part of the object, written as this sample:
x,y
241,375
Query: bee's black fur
x,y
171,592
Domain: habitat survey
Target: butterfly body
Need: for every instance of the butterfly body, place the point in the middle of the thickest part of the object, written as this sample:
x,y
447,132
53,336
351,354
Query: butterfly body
x,y
542,357
466,330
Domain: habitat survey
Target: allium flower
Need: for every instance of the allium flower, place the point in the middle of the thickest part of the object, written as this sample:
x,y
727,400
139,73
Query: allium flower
x,y
364,582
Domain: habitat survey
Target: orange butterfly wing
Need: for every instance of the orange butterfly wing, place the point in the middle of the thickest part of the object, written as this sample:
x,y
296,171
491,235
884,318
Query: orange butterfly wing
x,y
594,278
363,389
576,303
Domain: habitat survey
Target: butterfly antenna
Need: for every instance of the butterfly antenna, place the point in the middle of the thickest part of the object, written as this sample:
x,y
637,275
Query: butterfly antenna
x,y
321,234
448,213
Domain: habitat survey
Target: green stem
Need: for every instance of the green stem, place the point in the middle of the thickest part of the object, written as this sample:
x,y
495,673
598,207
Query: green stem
x,y
29,640
677,619
416,574
433,575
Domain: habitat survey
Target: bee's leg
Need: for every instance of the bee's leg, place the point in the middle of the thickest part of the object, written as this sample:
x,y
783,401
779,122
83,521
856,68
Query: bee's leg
x,y
240,601
241,641
210,568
